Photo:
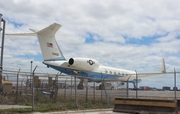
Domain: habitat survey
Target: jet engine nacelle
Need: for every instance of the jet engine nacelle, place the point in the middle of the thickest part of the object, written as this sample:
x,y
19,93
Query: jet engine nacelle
x,y
83,64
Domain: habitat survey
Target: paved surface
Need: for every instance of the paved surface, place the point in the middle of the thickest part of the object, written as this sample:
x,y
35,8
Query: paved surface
x,y
102,111
118,93
13,106
94,111
123,93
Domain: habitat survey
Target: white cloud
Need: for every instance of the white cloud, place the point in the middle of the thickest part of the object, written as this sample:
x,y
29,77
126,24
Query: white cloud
x,y
114,23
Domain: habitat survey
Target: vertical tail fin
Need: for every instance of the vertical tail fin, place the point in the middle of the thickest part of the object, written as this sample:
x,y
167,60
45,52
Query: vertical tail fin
x,y
49,47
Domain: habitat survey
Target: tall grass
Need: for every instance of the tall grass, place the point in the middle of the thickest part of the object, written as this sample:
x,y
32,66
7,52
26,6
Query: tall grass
x,y
44,104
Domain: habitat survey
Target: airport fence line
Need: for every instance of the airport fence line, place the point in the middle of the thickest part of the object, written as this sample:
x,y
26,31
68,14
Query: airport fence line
x,y
18,84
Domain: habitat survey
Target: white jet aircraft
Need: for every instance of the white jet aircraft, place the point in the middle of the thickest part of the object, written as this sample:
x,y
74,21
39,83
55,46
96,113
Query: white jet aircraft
x,y
84,68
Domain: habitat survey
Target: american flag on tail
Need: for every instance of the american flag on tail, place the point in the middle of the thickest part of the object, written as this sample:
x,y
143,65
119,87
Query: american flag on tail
x,y
49,45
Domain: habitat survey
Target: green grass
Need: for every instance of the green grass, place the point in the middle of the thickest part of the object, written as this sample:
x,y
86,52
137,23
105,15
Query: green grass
x,y
48,104
16,111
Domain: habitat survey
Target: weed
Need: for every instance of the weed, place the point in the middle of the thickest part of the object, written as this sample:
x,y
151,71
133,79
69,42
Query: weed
x,y
44,104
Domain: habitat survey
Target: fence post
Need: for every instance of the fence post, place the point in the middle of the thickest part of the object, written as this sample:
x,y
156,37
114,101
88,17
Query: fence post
x,y
94,91
86,84
33,89
107,97
22,84
128,87
76,91
136,84
71,88
56,87
101,85
175,83
17,86
2,42
65,89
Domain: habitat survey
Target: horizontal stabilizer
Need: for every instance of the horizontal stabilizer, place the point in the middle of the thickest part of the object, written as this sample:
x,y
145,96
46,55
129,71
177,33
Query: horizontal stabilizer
x,y
33,30
21,34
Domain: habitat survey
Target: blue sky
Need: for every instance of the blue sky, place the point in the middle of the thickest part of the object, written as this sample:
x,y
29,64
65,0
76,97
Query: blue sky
x,y
132,36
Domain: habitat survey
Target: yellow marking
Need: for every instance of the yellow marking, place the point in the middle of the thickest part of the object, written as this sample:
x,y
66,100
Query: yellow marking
x,y
146,103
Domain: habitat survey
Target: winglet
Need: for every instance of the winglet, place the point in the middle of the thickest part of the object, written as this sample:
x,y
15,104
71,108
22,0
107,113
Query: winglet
x,y
163,66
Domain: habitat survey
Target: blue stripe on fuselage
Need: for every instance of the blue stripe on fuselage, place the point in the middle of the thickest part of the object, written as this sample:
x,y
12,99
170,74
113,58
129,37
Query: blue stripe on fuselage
x,y
85,74
58,59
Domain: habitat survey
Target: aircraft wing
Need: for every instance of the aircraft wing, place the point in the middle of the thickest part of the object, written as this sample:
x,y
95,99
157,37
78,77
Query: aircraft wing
x,y
143,75
147,75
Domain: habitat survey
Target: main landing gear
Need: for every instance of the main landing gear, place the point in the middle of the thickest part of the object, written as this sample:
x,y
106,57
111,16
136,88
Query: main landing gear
x,y
80,85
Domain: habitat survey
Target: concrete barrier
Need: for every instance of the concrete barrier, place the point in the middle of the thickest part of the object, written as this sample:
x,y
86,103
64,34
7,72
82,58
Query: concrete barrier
x,y
146,106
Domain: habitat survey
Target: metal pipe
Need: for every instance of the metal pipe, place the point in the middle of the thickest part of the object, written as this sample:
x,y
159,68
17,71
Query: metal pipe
x,y
17,86
31,74
76,91
101,85
2,45
42,85
136,84
86,84
56,87
128,86
94,91
107,97
71,88
1,69
33,89
22,84
65,89
0,21
175,83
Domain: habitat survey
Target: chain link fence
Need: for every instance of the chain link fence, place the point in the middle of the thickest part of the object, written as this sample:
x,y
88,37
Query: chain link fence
x,y
58,87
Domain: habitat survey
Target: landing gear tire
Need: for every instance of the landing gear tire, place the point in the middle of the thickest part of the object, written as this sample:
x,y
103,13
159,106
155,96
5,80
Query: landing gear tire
x,y
101,87
80,86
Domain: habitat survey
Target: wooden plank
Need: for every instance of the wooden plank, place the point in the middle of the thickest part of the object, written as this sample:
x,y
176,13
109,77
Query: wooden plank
x,y
146,103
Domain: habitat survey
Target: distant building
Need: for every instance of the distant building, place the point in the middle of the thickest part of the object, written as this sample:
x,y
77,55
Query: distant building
x,y
175,88
166,88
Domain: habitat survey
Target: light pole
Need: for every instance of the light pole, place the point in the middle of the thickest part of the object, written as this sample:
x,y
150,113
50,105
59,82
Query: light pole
x,y
2,43
2,47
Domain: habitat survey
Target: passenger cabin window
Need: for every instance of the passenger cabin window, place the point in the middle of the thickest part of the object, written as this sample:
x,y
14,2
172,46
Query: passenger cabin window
x,y
106,71
110,72
114,73
119,73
